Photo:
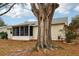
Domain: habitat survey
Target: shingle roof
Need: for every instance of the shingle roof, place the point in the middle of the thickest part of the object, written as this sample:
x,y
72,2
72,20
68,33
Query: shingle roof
x,y
60,20
55,21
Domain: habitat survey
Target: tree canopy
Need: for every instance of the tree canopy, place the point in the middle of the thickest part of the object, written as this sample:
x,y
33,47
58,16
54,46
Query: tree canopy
x,y
74,23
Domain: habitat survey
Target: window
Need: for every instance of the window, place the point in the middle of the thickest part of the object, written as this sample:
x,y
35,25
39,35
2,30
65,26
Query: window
x,y
31,30
26,30
16,31
22,31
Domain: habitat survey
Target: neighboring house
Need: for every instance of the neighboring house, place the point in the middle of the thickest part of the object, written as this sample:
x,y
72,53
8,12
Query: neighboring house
x,y
6,29
29,30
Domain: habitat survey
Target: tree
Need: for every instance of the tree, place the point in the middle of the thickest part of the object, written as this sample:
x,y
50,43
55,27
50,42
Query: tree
x,y
70,35
2,22
71,32
74,24
44,13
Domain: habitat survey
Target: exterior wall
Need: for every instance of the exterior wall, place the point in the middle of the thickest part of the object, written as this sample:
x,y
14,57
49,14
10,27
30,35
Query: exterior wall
x,y
35,32
3,29
9,32
55,31
21,37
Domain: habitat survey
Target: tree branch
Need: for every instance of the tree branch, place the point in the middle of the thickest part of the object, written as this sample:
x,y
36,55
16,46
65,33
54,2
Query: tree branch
x,y
8,9
34,9
56,5
42,9
41,6
51,8
4,5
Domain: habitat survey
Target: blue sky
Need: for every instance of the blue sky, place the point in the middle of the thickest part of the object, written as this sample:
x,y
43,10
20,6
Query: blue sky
x,y
19,15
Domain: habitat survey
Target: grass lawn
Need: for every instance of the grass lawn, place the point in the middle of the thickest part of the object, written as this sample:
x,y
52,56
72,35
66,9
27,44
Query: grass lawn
x,y
20,48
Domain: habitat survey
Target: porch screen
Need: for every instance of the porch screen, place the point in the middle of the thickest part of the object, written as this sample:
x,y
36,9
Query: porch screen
x,y
23,31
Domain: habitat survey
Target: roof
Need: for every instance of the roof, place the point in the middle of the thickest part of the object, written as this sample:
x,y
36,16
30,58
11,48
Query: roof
x,y
55,21
60,20
5,27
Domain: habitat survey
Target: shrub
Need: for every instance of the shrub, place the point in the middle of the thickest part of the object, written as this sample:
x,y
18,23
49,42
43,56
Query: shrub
x,y
3,35
70,35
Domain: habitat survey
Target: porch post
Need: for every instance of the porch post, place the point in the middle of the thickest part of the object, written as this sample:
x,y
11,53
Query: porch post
x,y
29,31
24,30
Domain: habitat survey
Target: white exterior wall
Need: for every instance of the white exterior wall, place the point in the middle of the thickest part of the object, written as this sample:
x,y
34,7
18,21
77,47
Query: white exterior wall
x,y
55,31
9,33
3,29
21,37
35,32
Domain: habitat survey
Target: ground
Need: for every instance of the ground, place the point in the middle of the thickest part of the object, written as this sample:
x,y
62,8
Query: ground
x,y
23,48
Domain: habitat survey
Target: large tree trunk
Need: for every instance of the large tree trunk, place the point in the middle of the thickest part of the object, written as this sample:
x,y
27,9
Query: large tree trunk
x,y
44,33
44,14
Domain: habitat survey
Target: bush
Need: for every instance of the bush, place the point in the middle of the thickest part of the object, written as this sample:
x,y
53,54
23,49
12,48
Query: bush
x,y
3,35
70,35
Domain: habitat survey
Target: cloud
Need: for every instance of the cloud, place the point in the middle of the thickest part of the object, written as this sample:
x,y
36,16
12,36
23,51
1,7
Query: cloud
x,y
2,11
19,11
76,8
65,8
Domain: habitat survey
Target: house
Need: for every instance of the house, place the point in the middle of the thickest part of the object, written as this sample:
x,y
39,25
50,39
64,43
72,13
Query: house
x,y
29,30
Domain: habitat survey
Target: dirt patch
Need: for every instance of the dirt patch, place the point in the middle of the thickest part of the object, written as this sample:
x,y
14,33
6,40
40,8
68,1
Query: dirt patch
x,y
23,48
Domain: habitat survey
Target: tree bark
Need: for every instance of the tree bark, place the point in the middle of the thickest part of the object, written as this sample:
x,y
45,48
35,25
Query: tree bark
x,y
44,15
44,33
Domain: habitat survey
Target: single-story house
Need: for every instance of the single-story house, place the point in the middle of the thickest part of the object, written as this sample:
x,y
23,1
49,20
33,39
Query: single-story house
x,y
29,29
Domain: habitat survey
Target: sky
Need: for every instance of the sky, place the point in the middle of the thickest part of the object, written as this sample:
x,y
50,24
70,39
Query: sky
x,y
19,14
